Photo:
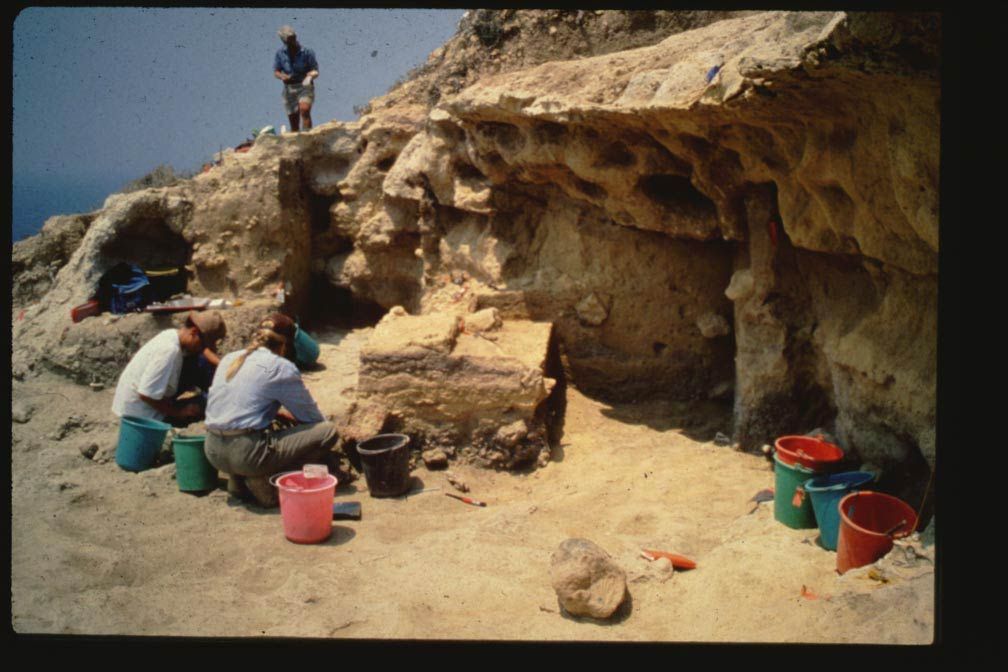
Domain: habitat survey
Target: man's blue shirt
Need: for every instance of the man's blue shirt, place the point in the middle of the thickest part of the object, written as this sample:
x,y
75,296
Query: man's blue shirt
x,y
303,63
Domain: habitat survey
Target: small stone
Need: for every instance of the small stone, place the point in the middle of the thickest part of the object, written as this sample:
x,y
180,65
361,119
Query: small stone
x,y
586,580
766,449
722,439
552,30
435,459
664,567
722,390
592,310
487,319
712,325
88,449
21,411
740,286
456,482
510,435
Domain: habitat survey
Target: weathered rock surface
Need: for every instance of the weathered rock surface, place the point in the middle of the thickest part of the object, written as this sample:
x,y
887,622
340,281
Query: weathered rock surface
x,y
768,232
586,580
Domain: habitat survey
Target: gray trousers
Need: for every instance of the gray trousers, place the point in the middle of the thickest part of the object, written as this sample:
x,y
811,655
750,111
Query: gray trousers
x,y
265,453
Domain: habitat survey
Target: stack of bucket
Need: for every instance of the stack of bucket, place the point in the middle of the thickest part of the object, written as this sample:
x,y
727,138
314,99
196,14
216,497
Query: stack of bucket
x,y
808,492
797,460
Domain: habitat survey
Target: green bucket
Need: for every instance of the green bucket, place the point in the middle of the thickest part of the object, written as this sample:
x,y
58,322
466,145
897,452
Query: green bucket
x,y
792,505
192,470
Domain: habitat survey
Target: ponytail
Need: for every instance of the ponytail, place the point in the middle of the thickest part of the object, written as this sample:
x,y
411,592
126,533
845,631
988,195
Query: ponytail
x,y
265,337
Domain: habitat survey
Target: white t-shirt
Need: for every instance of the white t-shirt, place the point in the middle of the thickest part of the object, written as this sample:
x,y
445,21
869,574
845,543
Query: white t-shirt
x,y
153,372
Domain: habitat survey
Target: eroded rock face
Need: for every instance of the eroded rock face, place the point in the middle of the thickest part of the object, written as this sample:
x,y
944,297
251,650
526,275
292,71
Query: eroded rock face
x,y
586,580
753,200
490,396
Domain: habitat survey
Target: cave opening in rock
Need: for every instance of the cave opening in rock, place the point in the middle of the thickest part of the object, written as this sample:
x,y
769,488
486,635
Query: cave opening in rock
x,y
149,243
338,307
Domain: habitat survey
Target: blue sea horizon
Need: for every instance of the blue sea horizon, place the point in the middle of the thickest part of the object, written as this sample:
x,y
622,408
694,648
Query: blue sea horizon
x,y
36,199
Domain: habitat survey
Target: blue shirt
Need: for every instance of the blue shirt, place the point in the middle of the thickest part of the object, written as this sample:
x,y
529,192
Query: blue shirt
x,y
297,67
252,398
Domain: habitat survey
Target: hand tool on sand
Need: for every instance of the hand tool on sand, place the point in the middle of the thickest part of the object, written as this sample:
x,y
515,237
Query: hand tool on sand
x,y
678,561
467,500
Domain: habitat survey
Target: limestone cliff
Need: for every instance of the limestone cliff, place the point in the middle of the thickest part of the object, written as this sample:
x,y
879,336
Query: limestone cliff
x,y
704,205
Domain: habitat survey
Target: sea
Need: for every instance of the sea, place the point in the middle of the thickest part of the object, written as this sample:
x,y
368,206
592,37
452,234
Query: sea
x,y
36,199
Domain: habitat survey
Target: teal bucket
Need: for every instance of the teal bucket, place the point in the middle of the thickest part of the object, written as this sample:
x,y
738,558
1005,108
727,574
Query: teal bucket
x,y
193,471
826,493
306,350
791,505
140,439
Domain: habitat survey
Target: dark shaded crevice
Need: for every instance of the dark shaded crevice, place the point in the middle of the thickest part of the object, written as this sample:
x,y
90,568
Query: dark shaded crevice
x,y
676,192
338,308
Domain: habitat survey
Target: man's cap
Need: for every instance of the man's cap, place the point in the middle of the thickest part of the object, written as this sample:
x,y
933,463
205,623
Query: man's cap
x,y
286,32
210,323
281,324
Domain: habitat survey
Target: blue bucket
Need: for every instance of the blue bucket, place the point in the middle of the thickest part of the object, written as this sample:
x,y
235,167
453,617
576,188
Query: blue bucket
x,y
306,350
140,439
826,493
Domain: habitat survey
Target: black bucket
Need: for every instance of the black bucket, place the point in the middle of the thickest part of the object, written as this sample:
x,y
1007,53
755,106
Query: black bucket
x,y
385,458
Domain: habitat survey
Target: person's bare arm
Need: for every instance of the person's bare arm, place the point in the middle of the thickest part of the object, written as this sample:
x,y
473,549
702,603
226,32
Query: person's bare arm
x,y
281,75
168,408
211,356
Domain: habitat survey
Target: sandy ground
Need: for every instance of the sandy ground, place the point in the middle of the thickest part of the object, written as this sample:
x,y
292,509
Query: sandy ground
x,y
97,550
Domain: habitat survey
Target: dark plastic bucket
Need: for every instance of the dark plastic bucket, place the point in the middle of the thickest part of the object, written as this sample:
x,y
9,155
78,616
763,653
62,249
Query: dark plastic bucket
x,y
791,506
808,451
868,523
193,471
385,458
826,493
140,439
306,350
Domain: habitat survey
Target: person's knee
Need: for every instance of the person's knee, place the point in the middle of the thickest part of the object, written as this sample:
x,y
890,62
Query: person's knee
x,y
329,435
304,108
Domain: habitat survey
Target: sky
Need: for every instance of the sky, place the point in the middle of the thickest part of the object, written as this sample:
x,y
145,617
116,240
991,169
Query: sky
x,y
101,96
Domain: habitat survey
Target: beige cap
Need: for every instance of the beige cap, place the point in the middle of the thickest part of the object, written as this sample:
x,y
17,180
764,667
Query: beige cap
x,y
286,32
210,323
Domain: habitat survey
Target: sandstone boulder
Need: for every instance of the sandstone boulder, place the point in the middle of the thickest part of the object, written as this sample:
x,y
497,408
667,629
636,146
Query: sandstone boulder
x,y
435,378
586,580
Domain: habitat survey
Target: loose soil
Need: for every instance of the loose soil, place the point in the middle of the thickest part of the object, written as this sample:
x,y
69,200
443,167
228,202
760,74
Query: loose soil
x,y
97,550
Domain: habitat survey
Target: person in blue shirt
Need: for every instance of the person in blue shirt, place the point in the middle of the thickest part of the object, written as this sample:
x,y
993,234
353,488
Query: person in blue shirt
x,y
297,68
251,389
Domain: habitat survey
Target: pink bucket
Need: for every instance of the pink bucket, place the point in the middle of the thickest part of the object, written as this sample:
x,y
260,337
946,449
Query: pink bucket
x,y
305,506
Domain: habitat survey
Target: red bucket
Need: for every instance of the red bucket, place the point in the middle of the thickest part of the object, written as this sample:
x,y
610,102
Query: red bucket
x,y
869,521
808,451
305,506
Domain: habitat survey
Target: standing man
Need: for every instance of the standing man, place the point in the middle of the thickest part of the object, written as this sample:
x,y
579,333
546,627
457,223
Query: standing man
x,y
148,384
297,68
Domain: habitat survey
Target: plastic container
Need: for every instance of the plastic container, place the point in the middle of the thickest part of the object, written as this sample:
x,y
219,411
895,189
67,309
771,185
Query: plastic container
x,y
193,471
868,523
385,459
826,493
140,439
306,350
791,505
808,451
305,506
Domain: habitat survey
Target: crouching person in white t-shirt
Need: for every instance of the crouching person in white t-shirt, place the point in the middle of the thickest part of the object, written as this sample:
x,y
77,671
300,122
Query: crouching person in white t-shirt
x,y
148,384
